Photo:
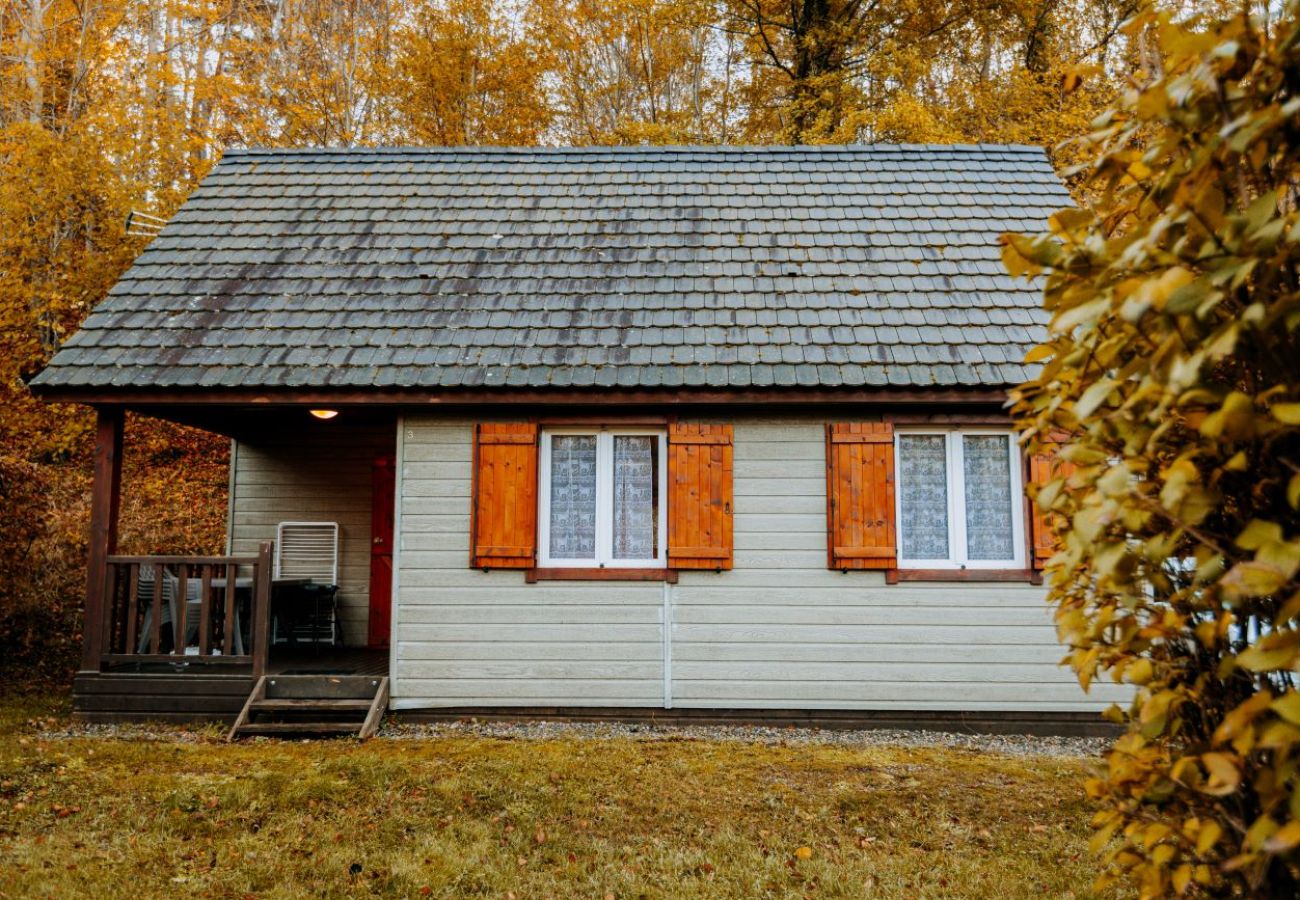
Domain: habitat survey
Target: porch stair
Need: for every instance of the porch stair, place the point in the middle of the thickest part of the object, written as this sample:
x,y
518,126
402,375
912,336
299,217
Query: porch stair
x,y
313,705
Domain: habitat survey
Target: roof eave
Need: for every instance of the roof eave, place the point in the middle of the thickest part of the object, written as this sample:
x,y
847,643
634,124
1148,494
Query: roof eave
x,y
141,397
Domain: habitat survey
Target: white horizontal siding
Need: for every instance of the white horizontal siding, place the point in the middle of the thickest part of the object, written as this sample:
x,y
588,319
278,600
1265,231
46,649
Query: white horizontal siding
x,y
778,631
322,478
781,630
465,637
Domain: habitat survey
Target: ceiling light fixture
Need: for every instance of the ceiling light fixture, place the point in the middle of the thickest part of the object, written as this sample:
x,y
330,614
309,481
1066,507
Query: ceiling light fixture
x,y
324,413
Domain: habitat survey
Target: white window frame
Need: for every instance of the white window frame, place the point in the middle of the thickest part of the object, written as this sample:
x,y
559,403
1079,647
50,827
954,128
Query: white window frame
x,y
604,558
955,464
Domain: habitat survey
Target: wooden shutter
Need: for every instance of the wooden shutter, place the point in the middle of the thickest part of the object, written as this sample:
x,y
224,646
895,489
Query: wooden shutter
x,y
861,533
504,518
1044,466
699,496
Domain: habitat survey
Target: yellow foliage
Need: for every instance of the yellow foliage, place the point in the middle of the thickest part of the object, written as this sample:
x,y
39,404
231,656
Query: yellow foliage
x,y
1173,357
463,75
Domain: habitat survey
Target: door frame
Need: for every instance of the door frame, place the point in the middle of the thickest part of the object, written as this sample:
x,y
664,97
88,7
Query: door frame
x,y
383,535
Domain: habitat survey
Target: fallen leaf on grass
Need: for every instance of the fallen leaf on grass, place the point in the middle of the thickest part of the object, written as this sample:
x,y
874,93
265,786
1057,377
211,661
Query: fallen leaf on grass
x,y
803,853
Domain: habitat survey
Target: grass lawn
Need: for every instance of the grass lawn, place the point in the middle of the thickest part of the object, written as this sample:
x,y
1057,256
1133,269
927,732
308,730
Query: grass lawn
x,y
99,817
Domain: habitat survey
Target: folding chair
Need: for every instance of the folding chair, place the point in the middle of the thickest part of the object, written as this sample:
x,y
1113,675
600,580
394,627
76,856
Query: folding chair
x,y
308,551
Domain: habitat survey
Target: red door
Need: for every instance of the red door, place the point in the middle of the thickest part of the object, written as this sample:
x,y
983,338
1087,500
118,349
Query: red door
x,y
381,551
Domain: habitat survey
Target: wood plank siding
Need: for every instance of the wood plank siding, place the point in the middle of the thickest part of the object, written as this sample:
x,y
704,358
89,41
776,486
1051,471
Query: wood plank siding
x,y
468,637
283,477
780,630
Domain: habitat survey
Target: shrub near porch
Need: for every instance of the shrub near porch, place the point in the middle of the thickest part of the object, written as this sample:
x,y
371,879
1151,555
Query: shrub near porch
x,y
466,815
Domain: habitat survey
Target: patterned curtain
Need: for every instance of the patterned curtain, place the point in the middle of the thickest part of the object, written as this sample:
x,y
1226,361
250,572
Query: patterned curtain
x,y
573,496
987,470
923,486
635,500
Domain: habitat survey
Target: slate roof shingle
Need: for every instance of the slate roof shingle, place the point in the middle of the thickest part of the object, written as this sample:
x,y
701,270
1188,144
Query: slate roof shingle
x,y
633,267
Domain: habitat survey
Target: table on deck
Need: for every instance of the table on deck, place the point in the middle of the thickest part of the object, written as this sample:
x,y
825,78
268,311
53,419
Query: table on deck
x,y
194,611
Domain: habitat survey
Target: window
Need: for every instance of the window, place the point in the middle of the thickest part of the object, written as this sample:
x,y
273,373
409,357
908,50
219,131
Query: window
x,y
959,500
602,498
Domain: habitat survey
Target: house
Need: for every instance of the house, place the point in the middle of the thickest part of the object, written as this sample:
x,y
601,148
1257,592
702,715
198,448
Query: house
x,y
687,432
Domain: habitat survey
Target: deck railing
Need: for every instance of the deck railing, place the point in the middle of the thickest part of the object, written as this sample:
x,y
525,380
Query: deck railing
x,y
192,613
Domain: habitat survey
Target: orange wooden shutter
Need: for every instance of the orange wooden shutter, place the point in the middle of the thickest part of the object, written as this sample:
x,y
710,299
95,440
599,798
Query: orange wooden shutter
x,y
699,496
1044,466
504,525
860,495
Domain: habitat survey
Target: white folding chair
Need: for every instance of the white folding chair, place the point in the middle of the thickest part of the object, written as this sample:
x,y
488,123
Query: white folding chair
x,y
170,607
308,551
167,606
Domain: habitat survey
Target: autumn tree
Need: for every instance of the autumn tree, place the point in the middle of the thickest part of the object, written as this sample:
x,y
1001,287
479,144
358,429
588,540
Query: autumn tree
x,y
626,71
318,66
955,70
466,73
84,140
1170,387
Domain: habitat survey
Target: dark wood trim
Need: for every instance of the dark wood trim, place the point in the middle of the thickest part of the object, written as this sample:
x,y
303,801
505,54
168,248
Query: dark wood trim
x,y
1074,724
828,453
185,560
894,576
208,683
594,396
581,574
641,420
1026,472
105,504
473,494
215,695
195,664
956,420
261,648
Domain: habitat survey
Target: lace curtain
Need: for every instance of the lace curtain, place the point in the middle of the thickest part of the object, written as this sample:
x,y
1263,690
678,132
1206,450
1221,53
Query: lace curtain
x,y
987,471
923,483
573,496
634,497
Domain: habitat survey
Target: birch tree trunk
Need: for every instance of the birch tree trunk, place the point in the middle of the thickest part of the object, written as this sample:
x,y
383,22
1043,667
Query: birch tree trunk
x,y
33,66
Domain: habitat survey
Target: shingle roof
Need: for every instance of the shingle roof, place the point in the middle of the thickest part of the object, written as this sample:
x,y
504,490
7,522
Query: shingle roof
x,y
635,267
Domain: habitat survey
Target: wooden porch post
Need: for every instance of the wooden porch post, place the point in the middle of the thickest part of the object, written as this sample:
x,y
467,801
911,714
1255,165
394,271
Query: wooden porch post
x,y
262,610
105,501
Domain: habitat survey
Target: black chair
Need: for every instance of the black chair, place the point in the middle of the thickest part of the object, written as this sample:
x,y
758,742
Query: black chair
x,y
306,613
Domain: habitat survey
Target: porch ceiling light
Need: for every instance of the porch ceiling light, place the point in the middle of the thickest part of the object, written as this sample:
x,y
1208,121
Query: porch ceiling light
x,y
324,413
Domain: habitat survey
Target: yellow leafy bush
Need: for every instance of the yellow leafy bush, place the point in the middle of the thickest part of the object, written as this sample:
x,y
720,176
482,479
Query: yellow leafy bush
x,y
1173,360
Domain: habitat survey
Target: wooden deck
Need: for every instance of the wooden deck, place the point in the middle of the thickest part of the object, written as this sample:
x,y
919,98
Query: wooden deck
x,y
327,661
149,692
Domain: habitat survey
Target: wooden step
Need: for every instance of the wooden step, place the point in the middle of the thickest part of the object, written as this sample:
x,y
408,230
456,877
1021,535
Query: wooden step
x,y
254,728
302,695
302,704
321,687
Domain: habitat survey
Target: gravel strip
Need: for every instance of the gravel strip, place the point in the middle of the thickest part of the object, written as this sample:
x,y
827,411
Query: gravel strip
x,y
146,732
1004,744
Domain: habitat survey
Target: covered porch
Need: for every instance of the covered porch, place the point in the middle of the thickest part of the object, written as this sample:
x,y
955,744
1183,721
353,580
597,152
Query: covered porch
x,y
187,638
